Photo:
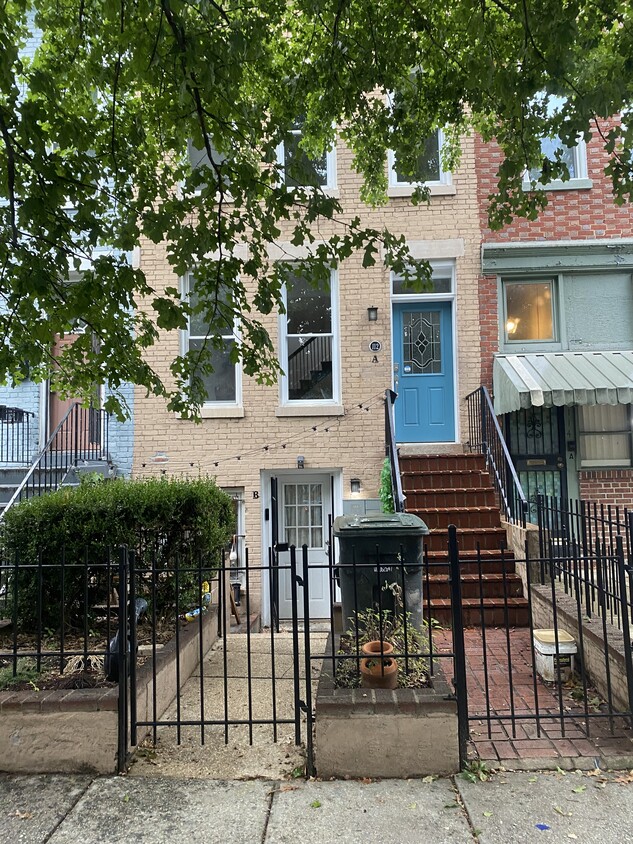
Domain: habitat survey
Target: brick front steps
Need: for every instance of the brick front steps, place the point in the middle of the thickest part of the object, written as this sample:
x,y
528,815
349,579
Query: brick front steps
x,y
456,489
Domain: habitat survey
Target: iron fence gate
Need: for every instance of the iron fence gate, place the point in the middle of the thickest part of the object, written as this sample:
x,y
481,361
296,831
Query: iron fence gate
x,y
206,646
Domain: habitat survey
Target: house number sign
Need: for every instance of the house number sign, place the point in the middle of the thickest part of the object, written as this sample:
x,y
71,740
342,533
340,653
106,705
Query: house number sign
x,y
375,346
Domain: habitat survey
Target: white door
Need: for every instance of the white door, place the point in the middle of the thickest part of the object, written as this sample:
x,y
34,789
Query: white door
x,y
305,503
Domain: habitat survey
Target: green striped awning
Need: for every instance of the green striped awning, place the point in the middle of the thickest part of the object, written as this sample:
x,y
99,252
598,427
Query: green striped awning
x,y
554,379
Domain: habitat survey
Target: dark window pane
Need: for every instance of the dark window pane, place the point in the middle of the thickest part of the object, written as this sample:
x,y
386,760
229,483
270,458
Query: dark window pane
x,y
440,285
310,368
300,170
428,167
309,310
219,384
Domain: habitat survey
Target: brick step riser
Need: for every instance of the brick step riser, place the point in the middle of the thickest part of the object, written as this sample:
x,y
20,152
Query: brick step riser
x,y
447,499
442,462
466,542
445,480
493,616
472,567
488,589
474,519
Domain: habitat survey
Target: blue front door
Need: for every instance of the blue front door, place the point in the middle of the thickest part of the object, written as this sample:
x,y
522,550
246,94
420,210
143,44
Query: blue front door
x,y
423,372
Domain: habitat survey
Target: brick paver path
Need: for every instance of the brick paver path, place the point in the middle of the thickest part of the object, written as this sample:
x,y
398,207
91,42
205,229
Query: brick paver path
x,y
498,689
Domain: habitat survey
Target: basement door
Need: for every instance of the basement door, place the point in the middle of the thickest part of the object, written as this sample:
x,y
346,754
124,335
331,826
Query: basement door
x,y
304,503
423,372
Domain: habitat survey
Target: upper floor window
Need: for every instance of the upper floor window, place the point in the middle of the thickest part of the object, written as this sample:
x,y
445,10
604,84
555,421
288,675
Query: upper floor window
x,y
309,341
302,171
553,148
428,169
199,161
529,313
222,385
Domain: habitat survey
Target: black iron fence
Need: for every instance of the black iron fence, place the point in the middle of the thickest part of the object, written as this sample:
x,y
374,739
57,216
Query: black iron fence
x,y
470,617
591,547
485,436
62,628
17,435
537,666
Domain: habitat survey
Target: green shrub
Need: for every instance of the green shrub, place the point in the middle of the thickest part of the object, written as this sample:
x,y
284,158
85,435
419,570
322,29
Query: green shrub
x,y
385,492
169,523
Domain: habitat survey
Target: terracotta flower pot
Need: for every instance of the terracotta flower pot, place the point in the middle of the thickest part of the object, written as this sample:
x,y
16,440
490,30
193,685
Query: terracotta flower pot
x,y
378,670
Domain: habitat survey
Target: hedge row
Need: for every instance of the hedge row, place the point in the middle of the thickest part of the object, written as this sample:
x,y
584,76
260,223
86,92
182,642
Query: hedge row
x,y
169,523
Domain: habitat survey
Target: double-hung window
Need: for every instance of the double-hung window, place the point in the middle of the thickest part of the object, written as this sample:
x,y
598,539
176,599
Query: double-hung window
x,y
223,385
299,170
309,342
605,433
428,169
553,148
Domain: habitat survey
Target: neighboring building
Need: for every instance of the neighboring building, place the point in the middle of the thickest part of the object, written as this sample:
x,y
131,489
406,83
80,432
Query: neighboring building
x,y
30,412
299,453
556,312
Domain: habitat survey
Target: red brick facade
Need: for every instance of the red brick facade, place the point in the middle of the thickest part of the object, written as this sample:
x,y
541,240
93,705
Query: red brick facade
x,y
607,486
574,214
570,214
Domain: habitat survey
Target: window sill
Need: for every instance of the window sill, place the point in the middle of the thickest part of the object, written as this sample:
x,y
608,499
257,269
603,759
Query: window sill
x,y
434,190
310,410
219,412
572,184
334,193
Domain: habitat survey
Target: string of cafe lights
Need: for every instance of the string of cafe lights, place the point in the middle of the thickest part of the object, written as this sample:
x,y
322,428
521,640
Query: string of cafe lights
x,y
329,424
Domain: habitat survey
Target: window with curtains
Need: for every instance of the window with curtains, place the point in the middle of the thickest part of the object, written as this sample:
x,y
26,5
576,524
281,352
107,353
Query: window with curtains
x,y
605,433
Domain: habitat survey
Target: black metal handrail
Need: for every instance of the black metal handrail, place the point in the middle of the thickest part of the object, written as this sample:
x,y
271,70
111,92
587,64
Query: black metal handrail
x,y
15,435
82,435
486,437
391,451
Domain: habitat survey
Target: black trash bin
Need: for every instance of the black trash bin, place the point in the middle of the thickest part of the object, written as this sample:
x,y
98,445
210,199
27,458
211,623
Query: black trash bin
x,y
375,552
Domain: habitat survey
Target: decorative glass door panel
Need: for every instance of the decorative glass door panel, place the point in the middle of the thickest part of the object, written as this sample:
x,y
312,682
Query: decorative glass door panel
x,y
422,344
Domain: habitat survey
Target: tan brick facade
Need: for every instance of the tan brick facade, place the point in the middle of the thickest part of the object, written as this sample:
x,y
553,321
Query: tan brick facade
x,y
352,443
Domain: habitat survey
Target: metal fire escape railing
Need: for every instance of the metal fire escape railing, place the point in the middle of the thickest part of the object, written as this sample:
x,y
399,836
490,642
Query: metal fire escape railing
x,y
485,436
81,436
391,451
15,435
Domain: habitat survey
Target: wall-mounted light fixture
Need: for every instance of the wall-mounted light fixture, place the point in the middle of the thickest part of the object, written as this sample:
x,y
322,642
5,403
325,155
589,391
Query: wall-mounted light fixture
x,y
372,314
355,486
301,462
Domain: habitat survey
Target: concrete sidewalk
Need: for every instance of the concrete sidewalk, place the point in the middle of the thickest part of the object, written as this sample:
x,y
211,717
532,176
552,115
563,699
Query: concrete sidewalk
x,y
510,808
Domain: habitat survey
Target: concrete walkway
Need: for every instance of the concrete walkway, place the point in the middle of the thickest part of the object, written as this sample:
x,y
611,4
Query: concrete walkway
x,y
511,807
233,751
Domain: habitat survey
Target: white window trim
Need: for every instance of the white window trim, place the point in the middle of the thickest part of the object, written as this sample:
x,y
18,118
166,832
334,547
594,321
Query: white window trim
x,y
333,404
442,186
214,409
330,158
579,182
